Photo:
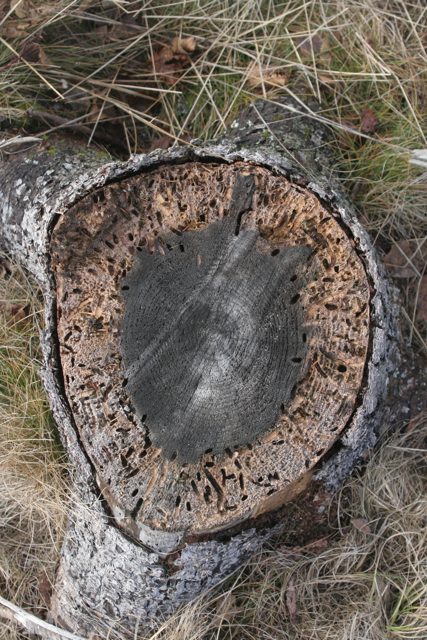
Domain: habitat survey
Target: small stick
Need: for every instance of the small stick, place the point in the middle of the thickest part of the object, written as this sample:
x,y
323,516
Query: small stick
x,y
33,624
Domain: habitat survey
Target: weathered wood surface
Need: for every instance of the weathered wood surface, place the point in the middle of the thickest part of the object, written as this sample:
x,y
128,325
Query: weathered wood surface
x,y
121,558
216,291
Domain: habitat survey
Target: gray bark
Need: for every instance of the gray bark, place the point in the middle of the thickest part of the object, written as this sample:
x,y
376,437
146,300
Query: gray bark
x,y
102,570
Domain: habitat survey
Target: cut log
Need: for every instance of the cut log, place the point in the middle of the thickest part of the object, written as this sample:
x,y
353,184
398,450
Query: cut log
x,y
218,341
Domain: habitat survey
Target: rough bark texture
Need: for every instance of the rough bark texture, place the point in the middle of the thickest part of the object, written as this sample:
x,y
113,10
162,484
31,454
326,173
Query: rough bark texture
x,y
102,569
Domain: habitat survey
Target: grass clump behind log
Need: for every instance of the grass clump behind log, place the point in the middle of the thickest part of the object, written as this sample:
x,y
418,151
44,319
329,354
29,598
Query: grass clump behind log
x,y
116,74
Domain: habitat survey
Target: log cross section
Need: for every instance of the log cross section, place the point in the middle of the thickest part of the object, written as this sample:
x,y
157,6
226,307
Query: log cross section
x,y
213,322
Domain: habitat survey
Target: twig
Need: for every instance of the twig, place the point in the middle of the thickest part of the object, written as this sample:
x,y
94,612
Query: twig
x,y
33,624
17,141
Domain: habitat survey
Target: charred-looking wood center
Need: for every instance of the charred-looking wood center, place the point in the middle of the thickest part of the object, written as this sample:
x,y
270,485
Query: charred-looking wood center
x,y
212,335
213,323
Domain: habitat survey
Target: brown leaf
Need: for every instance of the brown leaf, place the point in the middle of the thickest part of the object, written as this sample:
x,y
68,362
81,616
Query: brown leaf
x,y
368,121
184,45
406,258
327,78
23,9
361,524
45,588
169,65
162,142
291,600
421,314
172,59
15,29
258,76
43,58
310,45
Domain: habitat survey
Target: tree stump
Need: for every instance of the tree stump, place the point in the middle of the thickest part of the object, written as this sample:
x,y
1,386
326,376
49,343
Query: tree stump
x,y
218,340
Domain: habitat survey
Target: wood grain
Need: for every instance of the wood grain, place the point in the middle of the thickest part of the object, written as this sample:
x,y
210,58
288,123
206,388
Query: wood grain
x,y
212,334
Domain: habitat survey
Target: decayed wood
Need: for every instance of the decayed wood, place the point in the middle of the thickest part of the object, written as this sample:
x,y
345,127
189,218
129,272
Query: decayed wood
x,y
123,557
324,360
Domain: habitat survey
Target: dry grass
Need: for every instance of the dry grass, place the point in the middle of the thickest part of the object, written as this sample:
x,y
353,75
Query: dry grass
x,y
32,468
85,66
